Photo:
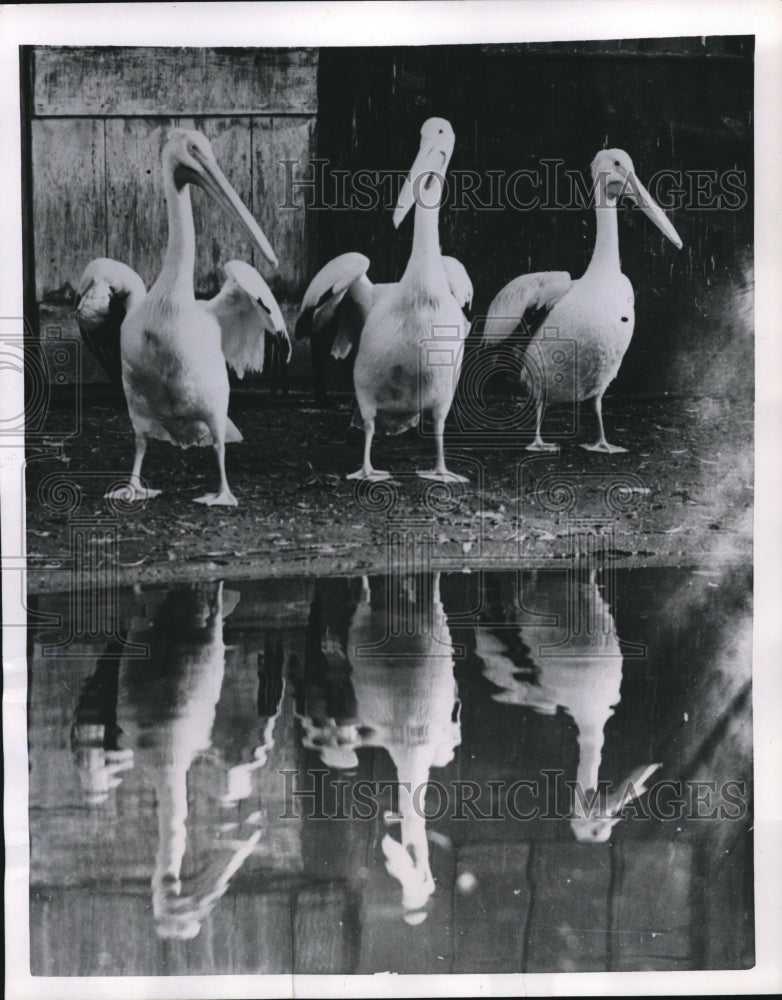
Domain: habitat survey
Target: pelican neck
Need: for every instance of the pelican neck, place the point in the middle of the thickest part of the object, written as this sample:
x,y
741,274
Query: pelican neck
x,y
179,262
605,256
426,261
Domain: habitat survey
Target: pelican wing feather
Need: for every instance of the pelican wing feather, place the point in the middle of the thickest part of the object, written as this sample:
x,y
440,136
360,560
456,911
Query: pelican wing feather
x,y
458,281
539,292
248,312
337,303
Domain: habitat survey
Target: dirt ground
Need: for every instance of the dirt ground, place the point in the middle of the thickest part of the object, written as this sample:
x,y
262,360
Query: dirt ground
x,y
682,495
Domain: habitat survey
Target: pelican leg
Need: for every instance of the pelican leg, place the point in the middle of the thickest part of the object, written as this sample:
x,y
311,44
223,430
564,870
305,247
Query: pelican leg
x,y
539,444
134,490
366,471
601,444
440,473
224,497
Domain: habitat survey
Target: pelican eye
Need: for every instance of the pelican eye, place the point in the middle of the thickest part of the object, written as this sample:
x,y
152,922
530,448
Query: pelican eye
x,y
616,163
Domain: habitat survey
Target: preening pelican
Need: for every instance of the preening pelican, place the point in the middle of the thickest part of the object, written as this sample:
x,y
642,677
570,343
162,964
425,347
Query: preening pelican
x,y
595,311
394,377
174,348
108,290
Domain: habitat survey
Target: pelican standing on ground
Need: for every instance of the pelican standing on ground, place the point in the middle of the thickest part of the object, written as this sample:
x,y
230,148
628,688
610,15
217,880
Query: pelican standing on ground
x,y
394,379
174,348
595,311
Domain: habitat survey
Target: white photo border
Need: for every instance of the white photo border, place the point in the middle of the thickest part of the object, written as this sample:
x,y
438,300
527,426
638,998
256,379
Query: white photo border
x,y
420,23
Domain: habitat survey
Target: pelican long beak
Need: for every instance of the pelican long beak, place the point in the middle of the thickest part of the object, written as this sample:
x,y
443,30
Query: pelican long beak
x,y
638,193
431,160
216,184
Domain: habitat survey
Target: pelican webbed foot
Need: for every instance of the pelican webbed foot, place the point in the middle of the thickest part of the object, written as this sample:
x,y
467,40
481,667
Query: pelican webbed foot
x,y
130,492
222,499
369,475
603,446
540,445
441,476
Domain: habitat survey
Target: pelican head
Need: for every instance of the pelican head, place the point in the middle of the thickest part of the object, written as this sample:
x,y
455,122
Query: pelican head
x,y
614,175
188,158
434,155
95,301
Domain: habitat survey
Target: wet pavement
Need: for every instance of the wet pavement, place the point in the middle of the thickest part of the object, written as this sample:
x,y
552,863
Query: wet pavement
x,y
682,495
486,771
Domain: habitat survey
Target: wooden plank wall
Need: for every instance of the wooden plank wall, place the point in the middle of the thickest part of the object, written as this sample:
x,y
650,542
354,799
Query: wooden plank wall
x,y
674,104
98,118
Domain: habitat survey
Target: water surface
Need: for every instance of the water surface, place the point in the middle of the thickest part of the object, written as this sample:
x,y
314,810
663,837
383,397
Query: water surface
x,y
354,775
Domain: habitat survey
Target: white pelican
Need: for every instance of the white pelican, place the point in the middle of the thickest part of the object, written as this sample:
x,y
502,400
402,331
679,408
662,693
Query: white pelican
x,y
595,311
576,664
174,348
394,379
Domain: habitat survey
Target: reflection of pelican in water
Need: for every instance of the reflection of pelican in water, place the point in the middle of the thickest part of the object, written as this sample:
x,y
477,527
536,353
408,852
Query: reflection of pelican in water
x,y
249,755
95,734
166,709
401,654
575,664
